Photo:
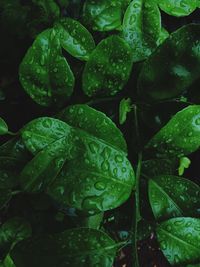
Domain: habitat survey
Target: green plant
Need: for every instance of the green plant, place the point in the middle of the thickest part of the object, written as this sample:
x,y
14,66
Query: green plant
x,y
103,104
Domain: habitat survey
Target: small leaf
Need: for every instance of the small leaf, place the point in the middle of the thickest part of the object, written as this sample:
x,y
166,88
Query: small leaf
x,y
141,28
180,240
3,127
104,15
125,107
75,38
178,8
75,247
44,73
179,56
184,164
180,136
108,69
172,196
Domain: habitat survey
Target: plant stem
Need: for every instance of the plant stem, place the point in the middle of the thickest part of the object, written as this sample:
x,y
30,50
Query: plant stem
x,y
136,213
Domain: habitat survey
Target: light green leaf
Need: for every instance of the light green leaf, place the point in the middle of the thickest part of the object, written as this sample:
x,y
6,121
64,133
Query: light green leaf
x,y
108,69
172,196
180,240
125,107
179,56
75,38
142,28
180,136
177,8
44,73
183,164
3,127
75,247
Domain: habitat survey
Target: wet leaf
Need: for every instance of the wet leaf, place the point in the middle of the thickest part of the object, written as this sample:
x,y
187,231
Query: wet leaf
x,y
168,203
179,56
180,136
75,247
107,70
75,38
44,73
179,240
142,28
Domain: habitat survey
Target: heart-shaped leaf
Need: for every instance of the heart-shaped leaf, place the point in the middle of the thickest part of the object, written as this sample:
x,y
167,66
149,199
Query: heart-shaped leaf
x,y
75,247
180,136
142,28
91,141
108,69
179,56
44,73
167,202
75,38
180,240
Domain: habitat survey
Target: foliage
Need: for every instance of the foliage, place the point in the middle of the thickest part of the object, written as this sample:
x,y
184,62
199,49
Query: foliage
x,y
103,108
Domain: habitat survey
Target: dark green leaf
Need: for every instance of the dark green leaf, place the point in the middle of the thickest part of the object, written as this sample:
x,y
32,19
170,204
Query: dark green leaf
x,y
44,73
50,8
76,247
180,136
177,8
75,38
3,127
142,28
180,240
172,196
104,15
179,56
108,69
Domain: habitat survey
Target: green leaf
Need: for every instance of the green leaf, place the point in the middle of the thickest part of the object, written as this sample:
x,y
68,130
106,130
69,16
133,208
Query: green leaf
x,y
177,8
180,136
13,231
179,56
3,127
183,164
44,73
108,69
163,36
142,27
75,247
172,196
125,107
179,240
50,8
75,38
105,177
105,15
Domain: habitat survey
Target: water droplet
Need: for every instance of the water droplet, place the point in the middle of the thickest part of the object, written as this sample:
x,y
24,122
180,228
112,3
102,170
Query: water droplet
x,y
100,185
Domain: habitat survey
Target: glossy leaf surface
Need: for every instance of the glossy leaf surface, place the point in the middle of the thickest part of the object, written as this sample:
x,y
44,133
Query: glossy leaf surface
x,y
180,136
44,73
167,202
75,38
179,56
179,240
107,70
142,28
75,247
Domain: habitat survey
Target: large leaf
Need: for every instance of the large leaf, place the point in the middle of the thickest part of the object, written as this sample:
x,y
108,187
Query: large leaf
x,y
44,73
90,140
108,69
13,231
177,8
172,196
142,28
179,56
180,136
105,15
180,240
76,247
75,38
